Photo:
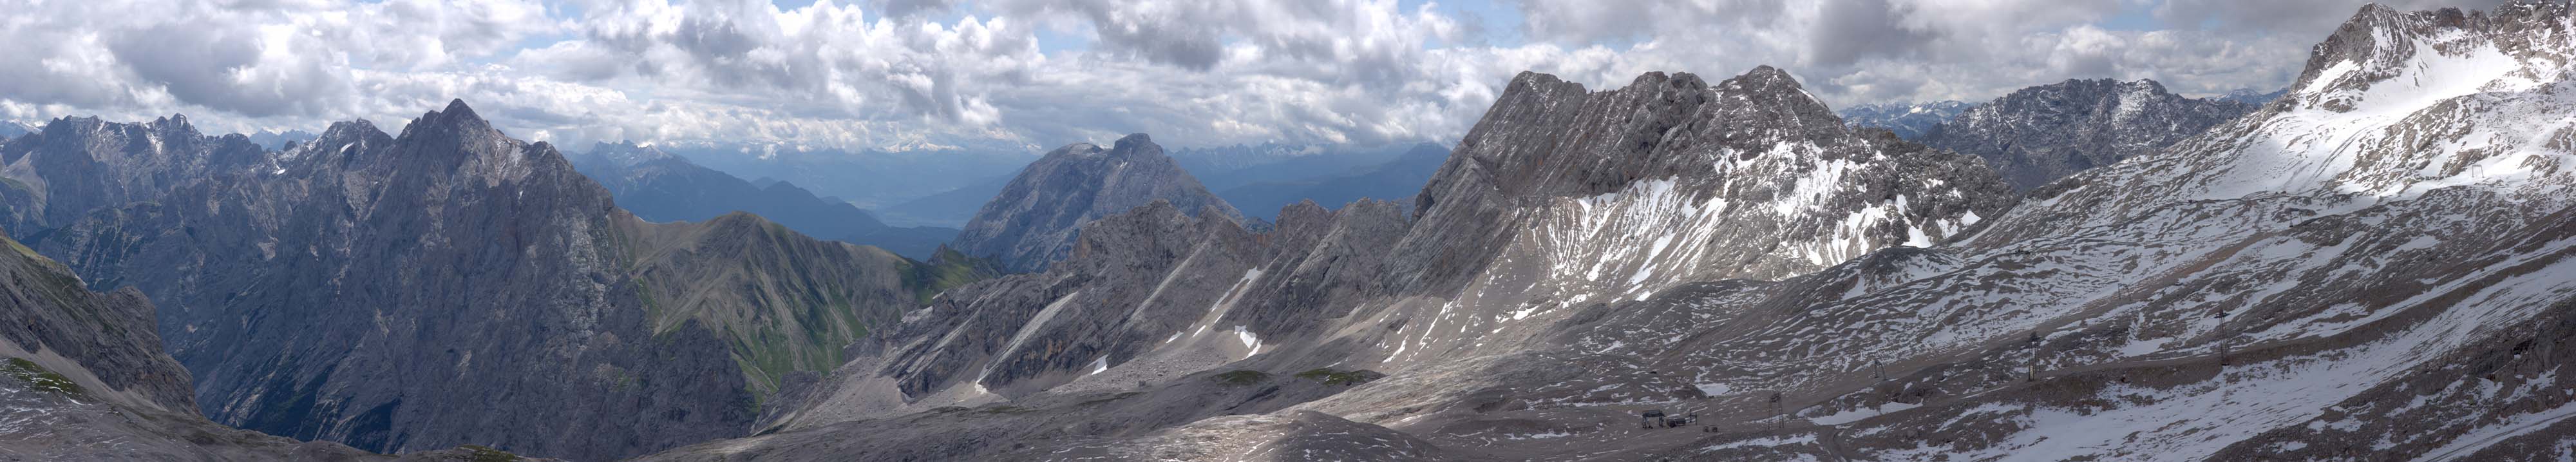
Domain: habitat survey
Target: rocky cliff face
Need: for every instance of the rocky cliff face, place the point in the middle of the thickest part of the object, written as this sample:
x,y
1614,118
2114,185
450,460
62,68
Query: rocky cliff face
x,y
452,285
2373,266
83,377
662,187
1908,121
2039,134
1034,220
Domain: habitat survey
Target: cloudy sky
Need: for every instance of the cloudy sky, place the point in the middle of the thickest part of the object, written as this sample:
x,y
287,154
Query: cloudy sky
x,y
1025,74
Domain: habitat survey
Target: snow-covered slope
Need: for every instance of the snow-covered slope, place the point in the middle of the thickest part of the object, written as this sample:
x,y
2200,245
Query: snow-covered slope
x,y
2278,288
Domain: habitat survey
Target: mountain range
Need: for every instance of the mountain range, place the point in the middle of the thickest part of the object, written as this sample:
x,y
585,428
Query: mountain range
x,y
1257,177
1394,179
2287,285
875,180
2376,265
312,292
1159,320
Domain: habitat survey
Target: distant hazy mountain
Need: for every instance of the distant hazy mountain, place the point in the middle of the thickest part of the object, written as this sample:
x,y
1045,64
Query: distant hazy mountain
x,y
1396,180
951,208
2252,96
659,186
1907,120
2039,134
869,179
1262,172
11,129
1032,222
1228,167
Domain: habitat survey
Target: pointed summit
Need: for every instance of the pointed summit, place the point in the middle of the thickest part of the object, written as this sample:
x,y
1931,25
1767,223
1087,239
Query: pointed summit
x,y
457,108
1770,89
1767,77
457,117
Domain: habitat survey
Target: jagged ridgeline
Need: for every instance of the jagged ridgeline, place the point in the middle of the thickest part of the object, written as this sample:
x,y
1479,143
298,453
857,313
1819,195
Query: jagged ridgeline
x,y
446,286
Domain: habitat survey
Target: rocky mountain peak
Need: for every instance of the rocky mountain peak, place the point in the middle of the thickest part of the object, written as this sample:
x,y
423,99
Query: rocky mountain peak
x,y
457,119
456,140
1034,219
1775,84
1768,93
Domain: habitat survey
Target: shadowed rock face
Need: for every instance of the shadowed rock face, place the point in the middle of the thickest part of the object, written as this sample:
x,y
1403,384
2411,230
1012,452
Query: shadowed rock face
x,y
2040,134
452,286
1034,220
83,377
